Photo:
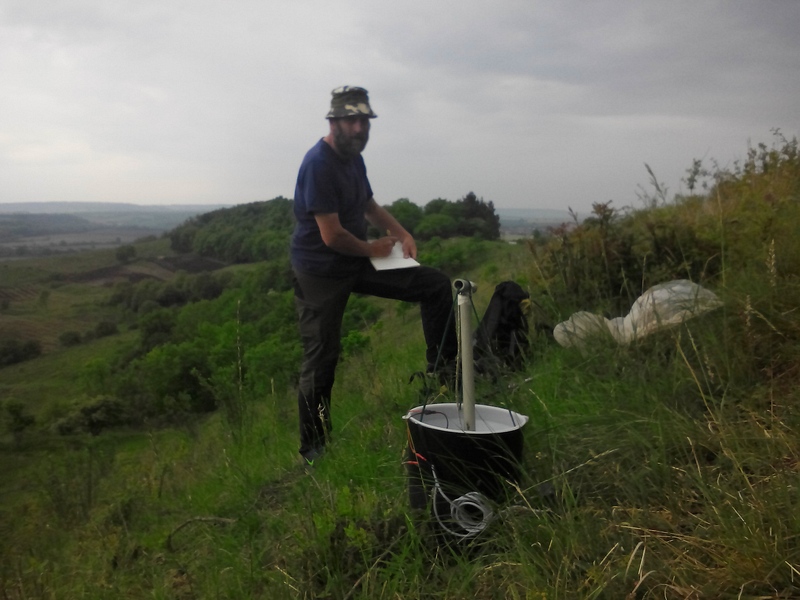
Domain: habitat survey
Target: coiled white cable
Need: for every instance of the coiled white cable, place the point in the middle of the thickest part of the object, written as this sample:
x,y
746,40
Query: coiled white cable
x,y
463,511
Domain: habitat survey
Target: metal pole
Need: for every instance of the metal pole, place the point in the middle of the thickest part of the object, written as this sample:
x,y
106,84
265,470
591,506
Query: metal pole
x,y
464,289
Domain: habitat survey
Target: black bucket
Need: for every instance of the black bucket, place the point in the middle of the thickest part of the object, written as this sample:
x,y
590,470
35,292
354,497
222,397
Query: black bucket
x,y
442,453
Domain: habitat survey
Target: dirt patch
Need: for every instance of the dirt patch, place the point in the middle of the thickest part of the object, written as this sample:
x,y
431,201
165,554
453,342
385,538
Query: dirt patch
x,y
104,275
20,293
160,269
190,263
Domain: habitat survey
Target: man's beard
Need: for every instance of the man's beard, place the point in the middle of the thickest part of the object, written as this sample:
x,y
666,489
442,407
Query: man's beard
x,y
349,146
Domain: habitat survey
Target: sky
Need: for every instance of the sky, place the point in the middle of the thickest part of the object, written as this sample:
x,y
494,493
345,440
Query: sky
x,y
529,104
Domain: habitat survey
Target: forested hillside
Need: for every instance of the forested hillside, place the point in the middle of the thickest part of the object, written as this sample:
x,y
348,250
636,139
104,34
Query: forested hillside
x,y
192,321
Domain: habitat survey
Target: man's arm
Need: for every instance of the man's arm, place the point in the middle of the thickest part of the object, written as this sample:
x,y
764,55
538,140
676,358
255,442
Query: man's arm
x,y
338,238
384,221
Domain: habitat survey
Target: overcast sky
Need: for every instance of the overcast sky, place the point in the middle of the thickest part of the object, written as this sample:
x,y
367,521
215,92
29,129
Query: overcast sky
x,y
528,104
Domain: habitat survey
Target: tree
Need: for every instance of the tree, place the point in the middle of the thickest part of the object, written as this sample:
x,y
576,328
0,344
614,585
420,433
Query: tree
x,y
155,328
125,253
434,207
407,213
14,351
436,225
70,338
105,328
17,421
479,218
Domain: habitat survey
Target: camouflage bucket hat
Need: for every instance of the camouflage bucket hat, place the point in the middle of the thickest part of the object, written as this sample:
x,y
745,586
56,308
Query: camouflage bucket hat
x,y
349,101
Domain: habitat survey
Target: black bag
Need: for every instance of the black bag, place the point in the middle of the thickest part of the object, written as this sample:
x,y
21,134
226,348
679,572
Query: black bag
x,y
502,336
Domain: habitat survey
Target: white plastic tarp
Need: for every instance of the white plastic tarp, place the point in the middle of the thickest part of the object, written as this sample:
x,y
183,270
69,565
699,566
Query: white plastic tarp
x,y
663,305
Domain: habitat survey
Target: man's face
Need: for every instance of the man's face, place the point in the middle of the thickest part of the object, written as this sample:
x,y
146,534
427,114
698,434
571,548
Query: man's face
x,y
350,135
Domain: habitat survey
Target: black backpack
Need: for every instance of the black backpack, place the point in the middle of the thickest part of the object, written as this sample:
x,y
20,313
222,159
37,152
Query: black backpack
x,y
502,336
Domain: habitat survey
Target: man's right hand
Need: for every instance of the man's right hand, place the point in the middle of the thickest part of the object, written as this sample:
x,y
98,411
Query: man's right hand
x,y
382,246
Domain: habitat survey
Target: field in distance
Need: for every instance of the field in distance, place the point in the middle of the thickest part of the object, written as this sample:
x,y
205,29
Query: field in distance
x,y
44,228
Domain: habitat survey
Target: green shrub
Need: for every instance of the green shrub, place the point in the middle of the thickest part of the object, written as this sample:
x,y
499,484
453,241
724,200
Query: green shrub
x,y
70,338
17,421
14,351
125,253
105,328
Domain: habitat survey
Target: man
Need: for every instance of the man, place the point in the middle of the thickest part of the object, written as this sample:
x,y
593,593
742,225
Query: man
x,y
330,257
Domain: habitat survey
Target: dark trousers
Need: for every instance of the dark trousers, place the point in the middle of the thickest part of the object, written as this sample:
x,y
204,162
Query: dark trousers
x,y
320,303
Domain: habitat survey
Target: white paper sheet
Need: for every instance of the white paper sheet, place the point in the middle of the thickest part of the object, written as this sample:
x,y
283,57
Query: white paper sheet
x,y
395,260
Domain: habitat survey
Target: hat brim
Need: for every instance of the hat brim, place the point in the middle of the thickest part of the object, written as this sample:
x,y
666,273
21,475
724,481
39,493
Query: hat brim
x,y
351,111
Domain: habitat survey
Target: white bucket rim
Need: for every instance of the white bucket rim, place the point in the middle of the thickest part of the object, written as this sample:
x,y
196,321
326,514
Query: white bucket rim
x,y
485,425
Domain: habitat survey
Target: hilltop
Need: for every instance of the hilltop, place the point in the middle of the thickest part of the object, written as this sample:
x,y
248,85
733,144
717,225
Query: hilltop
x,y
46,228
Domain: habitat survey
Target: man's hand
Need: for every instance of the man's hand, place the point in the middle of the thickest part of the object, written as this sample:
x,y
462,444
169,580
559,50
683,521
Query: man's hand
x,y
409,247
384,221
337,237
382,246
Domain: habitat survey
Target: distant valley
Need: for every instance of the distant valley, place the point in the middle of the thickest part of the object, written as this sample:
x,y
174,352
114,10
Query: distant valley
x,y
44,228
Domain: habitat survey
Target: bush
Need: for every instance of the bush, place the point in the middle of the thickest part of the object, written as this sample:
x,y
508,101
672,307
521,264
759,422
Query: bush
x,y
102,413
17,421
105,329
14,351
125,253
354,342
70,338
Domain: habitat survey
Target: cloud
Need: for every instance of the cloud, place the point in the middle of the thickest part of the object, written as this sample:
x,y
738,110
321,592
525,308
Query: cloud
x,y
525,103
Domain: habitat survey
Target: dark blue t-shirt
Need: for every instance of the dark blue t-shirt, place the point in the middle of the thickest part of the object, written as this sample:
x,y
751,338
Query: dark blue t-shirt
x,y
327,183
